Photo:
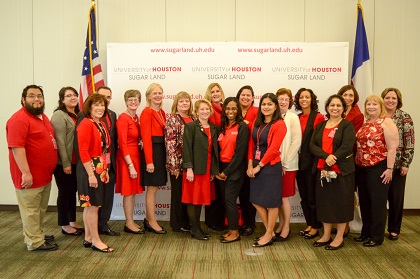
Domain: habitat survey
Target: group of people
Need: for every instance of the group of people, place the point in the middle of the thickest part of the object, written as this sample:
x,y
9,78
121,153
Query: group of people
x,y
216,151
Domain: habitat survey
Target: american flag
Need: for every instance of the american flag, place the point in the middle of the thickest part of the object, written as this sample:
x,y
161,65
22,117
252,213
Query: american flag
x,y
361,75
92,70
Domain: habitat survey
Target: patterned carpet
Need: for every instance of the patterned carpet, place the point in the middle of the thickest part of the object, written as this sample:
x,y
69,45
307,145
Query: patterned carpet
x,y
177,255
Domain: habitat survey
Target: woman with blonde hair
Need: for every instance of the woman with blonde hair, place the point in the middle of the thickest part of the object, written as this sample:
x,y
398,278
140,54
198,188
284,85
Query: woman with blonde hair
x,y
153,156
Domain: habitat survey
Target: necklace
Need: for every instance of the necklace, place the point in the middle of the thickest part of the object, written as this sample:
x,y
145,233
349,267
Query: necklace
x,y
135,118
161,118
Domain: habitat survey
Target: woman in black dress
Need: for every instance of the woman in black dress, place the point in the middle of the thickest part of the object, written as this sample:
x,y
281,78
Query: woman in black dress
x,y
264,165
332,143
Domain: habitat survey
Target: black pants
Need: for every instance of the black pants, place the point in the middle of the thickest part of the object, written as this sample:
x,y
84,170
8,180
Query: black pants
x,y
66,199
306,182
396,201
373,195
179,216
215,212
247,208
105,210
230,189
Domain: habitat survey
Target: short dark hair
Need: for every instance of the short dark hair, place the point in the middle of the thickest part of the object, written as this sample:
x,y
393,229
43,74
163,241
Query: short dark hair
x,y
314,102
103,87
349,87
94,98
225,120
276,116
62,106
32,86
328,101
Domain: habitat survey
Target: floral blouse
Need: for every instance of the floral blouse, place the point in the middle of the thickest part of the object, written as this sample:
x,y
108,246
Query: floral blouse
x,y
405,150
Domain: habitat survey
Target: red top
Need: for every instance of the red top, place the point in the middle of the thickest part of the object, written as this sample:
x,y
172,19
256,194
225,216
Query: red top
x,y
371,145
303,118
128,133
250,116
216,117
36,135
89,139
275,138
227,143
151,124
356,117
327,146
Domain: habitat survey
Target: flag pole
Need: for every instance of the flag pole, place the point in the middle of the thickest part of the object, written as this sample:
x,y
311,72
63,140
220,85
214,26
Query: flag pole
x,y
90,43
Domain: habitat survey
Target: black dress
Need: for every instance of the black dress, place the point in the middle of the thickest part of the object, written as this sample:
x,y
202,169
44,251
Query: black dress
x,y
266,186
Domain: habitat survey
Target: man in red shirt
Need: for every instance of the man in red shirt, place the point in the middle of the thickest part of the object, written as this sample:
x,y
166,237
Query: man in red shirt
x,y
32,157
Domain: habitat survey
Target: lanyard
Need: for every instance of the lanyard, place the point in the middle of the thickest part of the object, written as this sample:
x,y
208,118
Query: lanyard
x,y
259,135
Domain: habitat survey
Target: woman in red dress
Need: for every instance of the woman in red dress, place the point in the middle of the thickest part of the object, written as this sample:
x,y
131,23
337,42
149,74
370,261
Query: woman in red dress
x,y
200,141
128,159
352,111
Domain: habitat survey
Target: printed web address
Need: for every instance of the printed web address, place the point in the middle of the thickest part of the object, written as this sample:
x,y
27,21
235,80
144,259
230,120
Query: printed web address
x,y
182,49
271,50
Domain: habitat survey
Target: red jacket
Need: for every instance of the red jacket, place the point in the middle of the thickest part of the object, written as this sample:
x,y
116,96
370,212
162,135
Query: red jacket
x,y
275,138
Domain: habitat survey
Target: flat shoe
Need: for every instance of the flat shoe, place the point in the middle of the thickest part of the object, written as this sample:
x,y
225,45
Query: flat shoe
x,y
361,238
247,231
329,247
303,233
334,231
87,244
221,237
128,230
282,239
47,246
150,229
371,243
80,229
320,244
256,244
104,250
311,236
77,232
393,237
230,241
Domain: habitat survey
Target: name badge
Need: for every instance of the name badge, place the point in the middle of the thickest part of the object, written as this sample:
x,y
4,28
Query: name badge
x,y
257,155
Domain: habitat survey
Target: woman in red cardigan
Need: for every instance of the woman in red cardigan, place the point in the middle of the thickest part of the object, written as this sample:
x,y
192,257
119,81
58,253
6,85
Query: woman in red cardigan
x,y
153,159
352,111
264,165
92,169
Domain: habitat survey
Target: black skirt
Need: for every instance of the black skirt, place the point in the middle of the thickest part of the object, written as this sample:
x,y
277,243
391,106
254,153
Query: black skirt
x,y
335,199
266,186
159,176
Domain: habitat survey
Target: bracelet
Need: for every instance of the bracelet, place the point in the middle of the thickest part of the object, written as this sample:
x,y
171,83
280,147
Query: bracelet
x,y
260,166
390,168
131,164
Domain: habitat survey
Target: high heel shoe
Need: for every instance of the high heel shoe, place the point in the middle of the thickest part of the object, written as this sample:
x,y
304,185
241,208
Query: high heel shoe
x,y
87,244
128,230
203,237
150,229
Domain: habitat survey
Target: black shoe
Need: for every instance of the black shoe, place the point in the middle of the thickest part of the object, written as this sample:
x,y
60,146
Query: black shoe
x,y
311,236
303,233
371,243
346,233
256,244
104,250
320,244
49,238
77,232
128,230
217,228
329,247
279,238
334,231
199,237
80,229
87,244
47,246
110,232
183,230
221,237
150,229
224,240
393,237
362,238
247,230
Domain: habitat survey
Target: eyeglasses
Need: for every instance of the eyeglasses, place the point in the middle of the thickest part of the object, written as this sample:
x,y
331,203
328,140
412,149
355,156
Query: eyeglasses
x,y
70,96
134,100
283,100
30,96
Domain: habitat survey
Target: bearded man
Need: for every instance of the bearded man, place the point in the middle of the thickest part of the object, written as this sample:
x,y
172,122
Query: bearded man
x,y
32,157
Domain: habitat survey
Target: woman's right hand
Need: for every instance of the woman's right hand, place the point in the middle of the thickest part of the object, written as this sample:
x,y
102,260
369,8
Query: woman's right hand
x,y
133,172
150,168
190,175
93,182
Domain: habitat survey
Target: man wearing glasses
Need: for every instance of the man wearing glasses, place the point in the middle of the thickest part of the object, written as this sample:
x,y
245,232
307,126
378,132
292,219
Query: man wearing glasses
x,y
33,157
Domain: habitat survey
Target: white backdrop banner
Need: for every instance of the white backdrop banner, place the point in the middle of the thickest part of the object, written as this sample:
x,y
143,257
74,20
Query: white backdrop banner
x,y
191,67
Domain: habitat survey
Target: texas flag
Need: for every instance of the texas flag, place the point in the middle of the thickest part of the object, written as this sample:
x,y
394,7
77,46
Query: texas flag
x,y
361,74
